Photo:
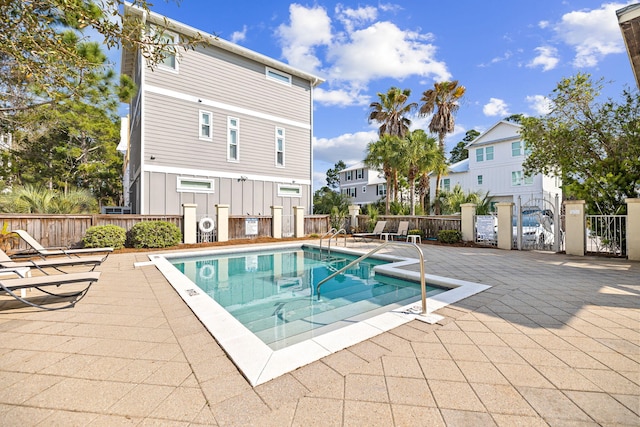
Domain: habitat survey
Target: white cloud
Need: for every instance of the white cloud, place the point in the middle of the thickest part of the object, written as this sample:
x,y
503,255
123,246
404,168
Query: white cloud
x,y
383,50
340,97
238,36
547,58
496,107
539,103
349,147
543,24
352,18
309,28
592,33
359,51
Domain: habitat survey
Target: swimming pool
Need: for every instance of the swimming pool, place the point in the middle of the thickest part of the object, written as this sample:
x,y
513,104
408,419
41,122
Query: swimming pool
x,y
275,295
260,363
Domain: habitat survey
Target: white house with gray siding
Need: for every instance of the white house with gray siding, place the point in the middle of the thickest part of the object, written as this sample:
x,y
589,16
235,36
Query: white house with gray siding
x,y
219,124
362,185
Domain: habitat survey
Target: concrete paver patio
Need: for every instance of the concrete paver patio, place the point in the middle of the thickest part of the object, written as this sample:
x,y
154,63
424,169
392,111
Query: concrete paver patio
x,y
554,341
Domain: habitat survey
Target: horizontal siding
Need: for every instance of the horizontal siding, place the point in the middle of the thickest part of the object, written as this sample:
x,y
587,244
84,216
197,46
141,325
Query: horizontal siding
x,y
171,136
213,74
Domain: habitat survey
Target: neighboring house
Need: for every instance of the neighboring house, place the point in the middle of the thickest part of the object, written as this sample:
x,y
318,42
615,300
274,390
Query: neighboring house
x,y
219,124
495,166
362,185
629,21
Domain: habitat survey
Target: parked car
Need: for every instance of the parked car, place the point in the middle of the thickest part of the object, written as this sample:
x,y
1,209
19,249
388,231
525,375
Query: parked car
x,y
537,229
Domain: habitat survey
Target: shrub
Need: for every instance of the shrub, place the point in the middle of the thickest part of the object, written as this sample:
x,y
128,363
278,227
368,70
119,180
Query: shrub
x,y
101,236
154,234
416,231
449,236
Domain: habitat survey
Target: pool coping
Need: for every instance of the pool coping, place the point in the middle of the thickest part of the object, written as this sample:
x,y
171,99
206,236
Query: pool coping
x,y
256,360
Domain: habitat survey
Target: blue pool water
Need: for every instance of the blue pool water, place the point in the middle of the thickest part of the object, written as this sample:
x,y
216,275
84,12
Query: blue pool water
x,y
273,293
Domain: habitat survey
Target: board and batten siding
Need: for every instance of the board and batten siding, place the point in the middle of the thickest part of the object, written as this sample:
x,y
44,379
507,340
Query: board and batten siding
x,y
172,138
243,197
210,73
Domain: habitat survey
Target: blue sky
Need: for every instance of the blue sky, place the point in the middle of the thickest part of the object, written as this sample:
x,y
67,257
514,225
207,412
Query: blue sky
x,y
508,54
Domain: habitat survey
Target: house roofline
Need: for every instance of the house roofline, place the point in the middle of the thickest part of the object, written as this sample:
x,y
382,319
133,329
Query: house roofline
x,y
173,25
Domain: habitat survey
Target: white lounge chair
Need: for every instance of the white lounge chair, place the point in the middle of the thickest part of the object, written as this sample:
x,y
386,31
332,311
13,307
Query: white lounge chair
x,y
377,231
55,263
401,233
11,285
45,252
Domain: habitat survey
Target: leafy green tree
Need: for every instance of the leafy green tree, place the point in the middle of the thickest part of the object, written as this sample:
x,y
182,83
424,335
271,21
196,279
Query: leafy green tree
x,y
40,59
333,175
383,155
459,152
515,118
74,144
450,201
594,146
443,101
325,199
391,111
418,154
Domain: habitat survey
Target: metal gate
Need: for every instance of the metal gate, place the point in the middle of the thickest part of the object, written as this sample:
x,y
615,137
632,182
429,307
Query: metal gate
x,y
537,224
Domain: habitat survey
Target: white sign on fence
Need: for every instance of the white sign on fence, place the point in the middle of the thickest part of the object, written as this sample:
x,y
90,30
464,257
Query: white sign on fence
x,y
251,226
485,227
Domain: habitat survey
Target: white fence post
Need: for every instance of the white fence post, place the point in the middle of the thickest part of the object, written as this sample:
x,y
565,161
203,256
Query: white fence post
x,y
633,229
298,218
222,214
189,223
467,222
276,222
505,225
575,227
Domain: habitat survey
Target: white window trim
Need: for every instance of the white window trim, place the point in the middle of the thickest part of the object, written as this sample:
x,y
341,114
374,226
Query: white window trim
x,y
520,151
268,72
479,155
210,114
181,189
284,141
229,129
161,65
486,154
298,188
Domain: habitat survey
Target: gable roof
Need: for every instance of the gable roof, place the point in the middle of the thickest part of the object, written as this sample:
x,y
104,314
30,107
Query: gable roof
x,y
499,132
128,55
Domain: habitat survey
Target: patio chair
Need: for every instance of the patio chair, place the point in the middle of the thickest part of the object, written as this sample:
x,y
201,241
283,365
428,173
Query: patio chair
x,y
9,286
45,252
377,231
401,233
55,263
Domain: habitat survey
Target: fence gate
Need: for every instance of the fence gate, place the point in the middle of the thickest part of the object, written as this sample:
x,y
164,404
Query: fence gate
x,y
606,235
287,225
537,225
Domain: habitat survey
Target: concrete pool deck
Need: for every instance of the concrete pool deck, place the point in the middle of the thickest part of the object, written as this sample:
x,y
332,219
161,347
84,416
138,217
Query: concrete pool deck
x,y
554,341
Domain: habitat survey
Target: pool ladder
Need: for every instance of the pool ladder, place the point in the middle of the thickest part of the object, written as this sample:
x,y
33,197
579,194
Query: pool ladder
x,y
333,233
423,286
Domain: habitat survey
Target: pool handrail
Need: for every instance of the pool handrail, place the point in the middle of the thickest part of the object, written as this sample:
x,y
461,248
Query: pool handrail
x,y
423,287
337,233
331,230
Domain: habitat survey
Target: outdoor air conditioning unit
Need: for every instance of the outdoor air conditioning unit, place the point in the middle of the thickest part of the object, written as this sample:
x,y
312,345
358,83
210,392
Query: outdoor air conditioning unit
x,y
116,210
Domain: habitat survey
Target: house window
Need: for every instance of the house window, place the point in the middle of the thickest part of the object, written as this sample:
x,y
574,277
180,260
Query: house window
x,y
168,42
289,190
205,125
516,149
528,180
359,173
518,178
479,179
489,153
233,139
351,192
194,185
479,154
445,184
278,76
348,175
280,147
381,190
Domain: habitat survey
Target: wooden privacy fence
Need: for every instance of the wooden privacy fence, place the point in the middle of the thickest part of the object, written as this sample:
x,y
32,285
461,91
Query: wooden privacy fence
x,y
68,230
430,225
240,228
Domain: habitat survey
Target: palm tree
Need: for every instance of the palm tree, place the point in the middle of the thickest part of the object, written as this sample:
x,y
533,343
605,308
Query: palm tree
x,y
391,111
419,154
382,155
442,100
